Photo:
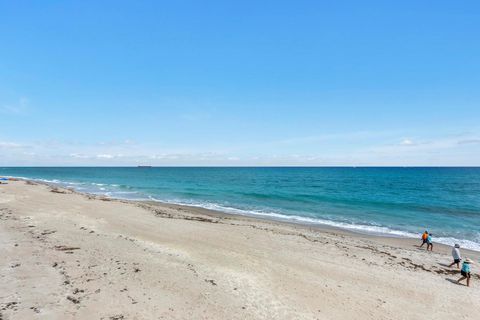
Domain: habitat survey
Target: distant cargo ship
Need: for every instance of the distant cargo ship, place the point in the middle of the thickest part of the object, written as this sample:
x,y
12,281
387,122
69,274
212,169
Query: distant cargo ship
x,y
144,166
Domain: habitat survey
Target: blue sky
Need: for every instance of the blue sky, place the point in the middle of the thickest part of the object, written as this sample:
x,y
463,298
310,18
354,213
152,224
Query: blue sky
x,y
240,82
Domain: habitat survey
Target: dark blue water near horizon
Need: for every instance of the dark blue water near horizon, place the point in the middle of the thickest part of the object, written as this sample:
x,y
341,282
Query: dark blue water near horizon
x,y
393,201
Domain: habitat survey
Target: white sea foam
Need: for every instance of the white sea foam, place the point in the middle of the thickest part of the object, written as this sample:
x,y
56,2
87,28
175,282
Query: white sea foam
x,y
467,244
360,228
125,192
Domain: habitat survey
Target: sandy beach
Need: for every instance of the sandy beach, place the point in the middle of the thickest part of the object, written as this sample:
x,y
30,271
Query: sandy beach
x,y
66,255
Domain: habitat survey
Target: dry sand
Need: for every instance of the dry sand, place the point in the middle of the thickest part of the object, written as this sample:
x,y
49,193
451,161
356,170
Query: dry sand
x,y
66,255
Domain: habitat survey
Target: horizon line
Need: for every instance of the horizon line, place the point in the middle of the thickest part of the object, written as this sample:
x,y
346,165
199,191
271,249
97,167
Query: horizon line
x,y
246,166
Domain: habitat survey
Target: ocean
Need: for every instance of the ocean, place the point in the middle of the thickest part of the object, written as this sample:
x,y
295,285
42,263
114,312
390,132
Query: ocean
x,y
400,202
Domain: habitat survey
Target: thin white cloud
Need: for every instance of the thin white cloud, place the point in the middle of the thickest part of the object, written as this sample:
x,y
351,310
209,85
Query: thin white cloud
x,y
79,156
406,142
469,141
356,135
420,148
18,108
105,156
448,150
126,142
11,145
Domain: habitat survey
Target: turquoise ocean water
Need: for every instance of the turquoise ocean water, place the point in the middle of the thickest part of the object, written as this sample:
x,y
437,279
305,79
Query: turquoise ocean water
x,y
385,201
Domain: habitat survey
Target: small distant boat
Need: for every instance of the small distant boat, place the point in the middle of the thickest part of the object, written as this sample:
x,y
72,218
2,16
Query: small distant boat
x,y
144,166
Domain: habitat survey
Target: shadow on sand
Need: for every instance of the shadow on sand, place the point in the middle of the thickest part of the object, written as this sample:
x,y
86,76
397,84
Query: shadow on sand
x,y
454,282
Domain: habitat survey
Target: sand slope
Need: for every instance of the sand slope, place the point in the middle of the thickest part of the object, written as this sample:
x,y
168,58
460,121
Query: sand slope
x,y
70,256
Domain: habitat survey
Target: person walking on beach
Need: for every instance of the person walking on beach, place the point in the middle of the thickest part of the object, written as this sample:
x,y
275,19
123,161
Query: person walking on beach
x,y
456,256
429,242
424,238
466,271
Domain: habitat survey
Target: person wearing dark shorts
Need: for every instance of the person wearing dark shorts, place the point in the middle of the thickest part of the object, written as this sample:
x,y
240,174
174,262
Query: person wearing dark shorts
x,y
424,238
456,256
466,271
429,242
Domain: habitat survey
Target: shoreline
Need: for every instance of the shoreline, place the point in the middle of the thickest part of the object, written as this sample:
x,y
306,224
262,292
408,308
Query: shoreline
x,y
397,240
69,255
404,242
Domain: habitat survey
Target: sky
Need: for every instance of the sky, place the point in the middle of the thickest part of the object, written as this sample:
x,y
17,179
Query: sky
x,y
240,83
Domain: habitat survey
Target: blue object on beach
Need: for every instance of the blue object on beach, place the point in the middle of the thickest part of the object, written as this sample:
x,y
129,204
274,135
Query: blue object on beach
x,y
4,179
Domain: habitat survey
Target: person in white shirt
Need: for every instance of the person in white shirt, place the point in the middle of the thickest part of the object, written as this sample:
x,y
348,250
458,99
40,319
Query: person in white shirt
x,y
456,255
